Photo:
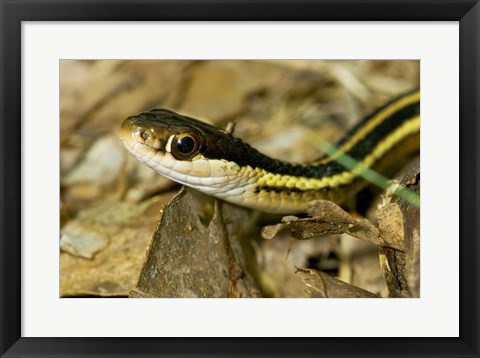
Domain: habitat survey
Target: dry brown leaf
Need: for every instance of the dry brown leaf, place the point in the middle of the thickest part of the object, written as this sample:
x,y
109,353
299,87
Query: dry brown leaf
x,y
399,221
322,285
327,218
188,259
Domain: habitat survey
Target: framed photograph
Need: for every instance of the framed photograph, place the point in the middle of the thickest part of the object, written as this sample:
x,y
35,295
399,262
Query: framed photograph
x,y
241,178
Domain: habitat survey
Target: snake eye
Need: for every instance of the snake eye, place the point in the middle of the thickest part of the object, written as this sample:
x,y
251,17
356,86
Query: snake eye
x,y
185,145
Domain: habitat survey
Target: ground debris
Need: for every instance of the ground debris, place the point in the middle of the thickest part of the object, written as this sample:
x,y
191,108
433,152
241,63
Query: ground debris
x,y
101,164
273,103
397,236
400,220
327,218
103,249
321,285
189,259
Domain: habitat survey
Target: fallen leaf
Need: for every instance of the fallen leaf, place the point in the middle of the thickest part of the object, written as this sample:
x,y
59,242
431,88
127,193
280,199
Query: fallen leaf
x,y
189,259
321,285
327,218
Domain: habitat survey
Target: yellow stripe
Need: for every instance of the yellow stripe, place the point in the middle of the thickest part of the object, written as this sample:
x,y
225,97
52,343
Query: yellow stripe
x,y
276,180
373,123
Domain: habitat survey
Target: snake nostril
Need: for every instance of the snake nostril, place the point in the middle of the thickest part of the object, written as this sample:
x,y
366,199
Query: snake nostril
x,y
145,135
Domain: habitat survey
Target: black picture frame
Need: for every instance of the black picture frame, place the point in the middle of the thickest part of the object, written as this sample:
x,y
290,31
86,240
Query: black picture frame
x,y
13,12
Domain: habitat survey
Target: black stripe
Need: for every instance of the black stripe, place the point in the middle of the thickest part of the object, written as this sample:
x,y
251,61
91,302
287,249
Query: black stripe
x,y
369,117
389,125
357,152
225,146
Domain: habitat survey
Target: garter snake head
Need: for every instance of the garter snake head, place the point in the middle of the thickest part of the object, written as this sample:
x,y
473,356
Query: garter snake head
x,y
185,150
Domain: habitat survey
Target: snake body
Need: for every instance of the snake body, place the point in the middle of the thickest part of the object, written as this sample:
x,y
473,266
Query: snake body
x,y
218,163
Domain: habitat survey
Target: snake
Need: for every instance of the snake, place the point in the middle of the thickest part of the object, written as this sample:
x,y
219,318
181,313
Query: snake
x,y
214,161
